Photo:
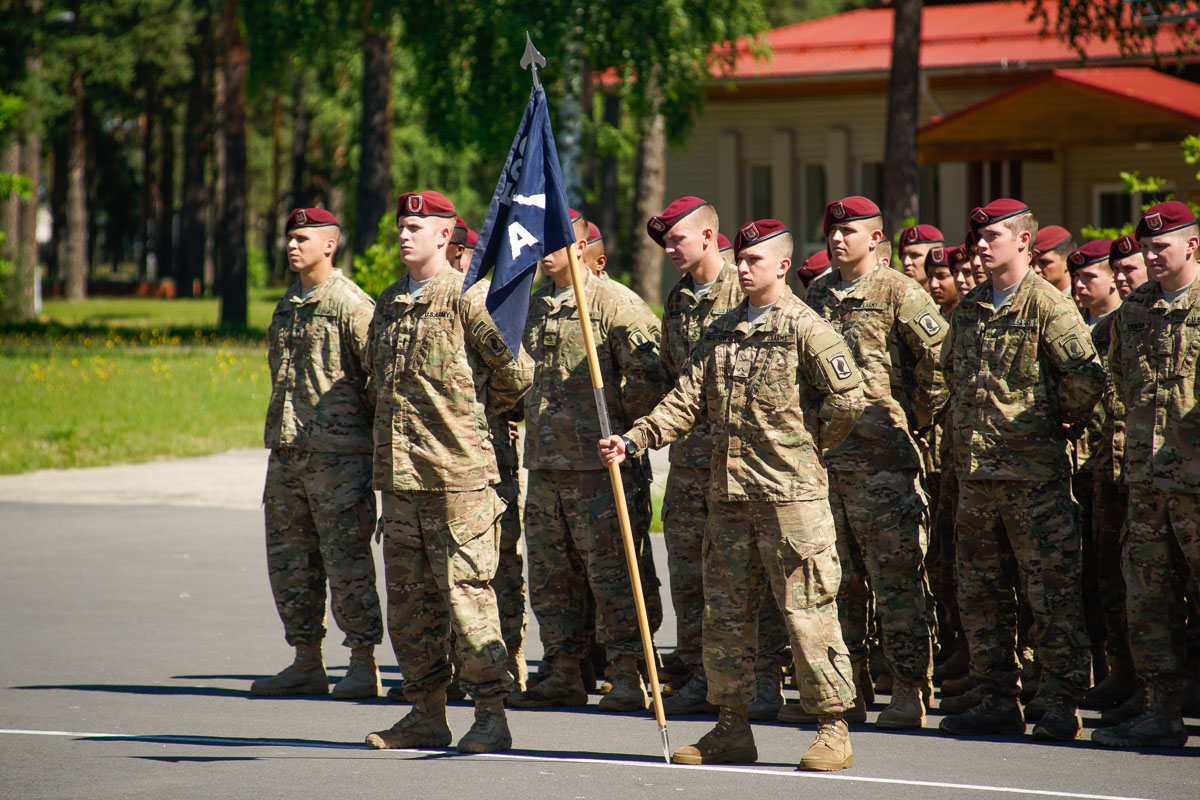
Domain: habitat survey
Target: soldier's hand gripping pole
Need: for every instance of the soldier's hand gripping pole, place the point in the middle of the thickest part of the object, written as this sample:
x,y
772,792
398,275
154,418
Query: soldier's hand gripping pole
x,y
614,474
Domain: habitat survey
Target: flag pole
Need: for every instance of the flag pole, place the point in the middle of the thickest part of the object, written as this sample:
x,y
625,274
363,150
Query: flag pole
x,y
532,59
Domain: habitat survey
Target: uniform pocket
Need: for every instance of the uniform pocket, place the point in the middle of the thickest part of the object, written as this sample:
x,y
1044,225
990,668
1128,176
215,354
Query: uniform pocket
x,y
473,544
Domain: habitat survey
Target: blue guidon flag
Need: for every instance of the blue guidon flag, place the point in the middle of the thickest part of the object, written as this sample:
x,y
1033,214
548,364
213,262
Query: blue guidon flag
x,y
528,218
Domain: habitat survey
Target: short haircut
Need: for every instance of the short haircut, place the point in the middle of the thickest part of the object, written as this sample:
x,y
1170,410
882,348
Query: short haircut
x,y
580,228
782,244
1063,248
458,236
883,250
1026,222
705,217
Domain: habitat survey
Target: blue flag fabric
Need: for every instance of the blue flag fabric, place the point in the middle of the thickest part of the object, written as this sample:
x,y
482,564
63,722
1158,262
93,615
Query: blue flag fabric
x,y
528,218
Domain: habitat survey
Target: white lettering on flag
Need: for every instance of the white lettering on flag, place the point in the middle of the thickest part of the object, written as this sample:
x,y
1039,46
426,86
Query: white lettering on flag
x,y
536,200
519,239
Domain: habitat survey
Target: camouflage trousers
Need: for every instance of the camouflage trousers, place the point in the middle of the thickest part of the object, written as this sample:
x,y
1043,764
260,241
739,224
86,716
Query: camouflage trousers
x,y
1110,505
939,560
319,510
787,548
641,515
439,552
1162,536
684,513
509,583
881,541
574,543
1022,534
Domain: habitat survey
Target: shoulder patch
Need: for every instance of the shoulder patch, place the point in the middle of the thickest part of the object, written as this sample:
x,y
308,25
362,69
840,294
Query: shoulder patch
x,y
834,361
1070,348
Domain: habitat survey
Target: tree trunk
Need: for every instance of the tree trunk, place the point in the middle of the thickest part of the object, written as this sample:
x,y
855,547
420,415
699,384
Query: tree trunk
x,y
148,210
301,121
10,210
651,189
232,261
901,184
74,266
374,167
609,186
271,234
27,243
570,117
197,147
164,228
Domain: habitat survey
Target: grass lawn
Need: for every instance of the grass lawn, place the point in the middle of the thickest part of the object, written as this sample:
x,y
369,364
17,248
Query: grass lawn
x,y
146,313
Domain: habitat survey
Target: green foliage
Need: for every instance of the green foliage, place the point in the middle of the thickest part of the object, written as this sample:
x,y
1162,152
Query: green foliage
x,y
258,271
1133,183
378,268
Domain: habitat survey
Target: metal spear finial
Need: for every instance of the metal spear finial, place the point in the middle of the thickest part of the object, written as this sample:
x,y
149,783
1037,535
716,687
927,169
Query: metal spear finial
x,y
532,59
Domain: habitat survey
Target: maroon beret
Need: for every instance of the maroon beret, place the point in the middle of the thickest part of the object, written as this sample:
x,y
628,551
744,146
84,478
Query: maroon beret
x,y
594,234
970,241
758,231
957,254
575,215
938,256
723,243
813,266
995,211
1090,253
849,209
472,239
309,218
657,226
1165,217
920,234
1050,237
424,204
1123,246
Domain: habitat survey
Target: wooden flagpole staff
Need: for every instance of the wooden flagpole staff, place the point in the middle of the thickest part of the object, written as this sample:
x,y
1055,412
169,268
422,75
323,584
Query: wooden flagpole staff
x,y
532,59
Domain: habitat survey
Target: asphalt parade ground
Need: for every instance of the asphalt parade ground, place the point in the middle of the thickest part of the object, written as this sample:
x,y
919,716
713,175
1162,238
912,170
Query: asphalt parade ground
x,y
135,612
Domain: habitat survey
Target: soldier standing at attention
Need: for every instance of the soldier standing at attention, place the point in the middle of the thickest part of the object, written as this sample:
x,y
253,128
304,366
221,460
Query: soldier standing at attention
x,y
318,502
778,387
1128,263
915,243
571,529
1021,366
436,470
894,332
1153,359
939,265
1050,250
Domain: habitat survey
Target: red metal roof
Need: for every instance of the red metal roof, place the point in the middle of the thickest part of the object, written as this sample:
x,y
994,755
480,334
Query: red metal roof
x,y
996,35
1140,85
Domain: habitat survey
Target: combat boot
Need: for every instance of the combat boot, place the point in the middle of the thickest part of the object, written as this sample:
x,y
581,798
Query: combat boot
x,y
1114,689
490,732
955,665
628,693
768,690
831,750
1059,721
1159,725
962,703
1127,710
562,687
396,693
907,709
994,715
1036,707
864,685
730,742
362,676
516,664
305,675
951,687
424,726
691,699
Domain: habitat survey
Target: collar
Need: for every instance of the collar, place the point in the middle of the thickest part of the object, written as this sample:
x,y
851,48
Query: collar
x,y
295,293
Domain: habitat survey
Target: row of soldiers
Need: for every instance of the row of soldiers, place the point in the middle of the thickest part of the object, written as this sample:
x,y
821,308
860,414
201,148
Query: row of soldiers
x,y
799,435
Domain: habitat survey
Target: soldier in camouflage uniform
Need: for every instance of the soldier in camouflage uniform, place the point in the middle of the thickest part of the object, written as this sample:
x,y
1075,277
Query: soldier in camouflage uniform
x,y
709,288
1153,359
894,330
777,386
1021,368
318,503
436,470
572,533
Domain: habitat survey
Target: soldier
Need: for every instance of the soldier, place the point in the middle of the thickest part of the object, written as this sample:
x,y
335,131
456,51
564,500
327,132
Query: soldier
x,y
813,267
687,231
462,246
915,243
894,331
724,246
1021,366
1153,359
318,502
572,532
939,266
1128,263
777,386
436,469
963,269
1050,250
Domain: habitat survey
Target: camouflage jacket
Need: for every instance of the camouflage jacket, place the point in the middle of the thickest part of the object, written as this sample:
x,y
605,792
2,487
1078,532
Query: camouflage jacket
x,y
1102,426
894,331
431,429
1153,360
561,423
1016,376
684,321
503,437
320,401
774,397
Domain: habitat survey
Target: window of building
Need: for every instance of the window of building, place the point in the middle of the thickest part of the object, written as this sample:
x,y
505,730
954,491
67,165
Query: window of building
x,y
814,203
870,180
758,186
1113,207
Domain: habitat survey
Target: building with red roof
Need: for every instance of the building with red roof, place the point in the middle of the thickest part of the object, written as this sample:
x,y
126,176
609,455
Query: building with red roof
x,y
1005,110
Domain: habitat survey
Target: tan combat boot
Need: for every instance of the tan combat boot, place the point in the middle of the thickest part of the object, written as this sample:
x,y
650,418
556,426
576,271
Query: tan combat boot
x,y
306,675
1159,725
424,726
362,676
831,750
628,693
562,687
490,732
730,742
768,690
907,709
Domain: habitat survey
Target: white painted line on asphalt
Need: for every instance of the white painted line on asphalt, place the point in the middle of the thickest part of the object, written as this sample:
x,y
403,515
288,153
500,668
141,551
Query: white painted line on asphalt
x,y
837,776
